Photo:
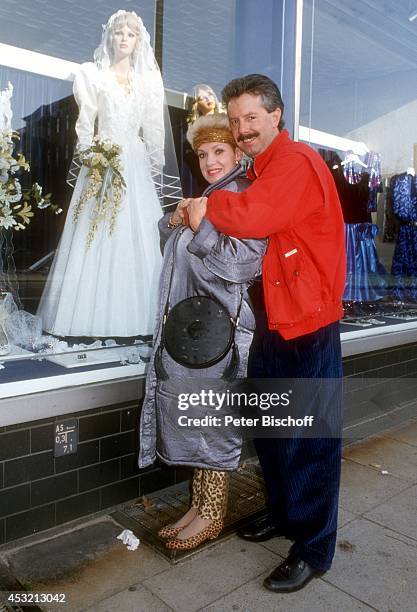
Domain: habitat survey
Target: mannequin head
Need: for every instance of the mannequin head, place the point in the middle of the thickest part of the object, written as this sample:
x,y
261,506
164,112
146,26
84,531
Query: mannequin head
x,y
124,36
203,102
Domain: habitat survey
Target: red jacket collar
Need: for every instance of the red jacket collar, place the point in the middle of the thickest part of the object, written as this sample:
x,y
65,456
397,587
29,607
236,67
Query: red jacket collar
x,y
263,158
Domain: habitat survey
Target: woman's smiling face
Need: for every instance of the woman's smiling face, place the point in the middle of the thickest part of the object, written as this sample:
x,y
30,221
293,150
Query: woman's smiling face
x,y
217,159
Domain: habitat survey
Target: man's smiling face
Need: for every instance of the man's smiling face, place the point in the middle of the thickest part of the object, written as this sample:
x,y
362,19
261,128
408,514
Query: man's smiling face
x,y
253,127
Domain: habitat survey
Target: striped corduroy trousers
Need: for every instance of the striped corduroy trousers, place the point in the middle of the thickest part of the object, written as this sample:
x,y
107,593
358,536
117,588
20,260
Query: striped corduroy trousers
x,y
302,475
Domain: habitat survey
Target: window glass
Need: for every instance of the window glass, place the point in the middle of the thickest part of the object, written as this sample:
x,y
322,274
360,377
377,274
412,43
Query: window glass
x,y
220,40
358,108
67,29
44,115
42,44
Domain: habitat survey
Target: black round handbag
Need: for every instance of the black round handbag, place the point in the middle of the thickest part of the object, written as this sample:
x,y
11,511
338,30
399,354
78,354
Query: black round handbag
x,y
198,332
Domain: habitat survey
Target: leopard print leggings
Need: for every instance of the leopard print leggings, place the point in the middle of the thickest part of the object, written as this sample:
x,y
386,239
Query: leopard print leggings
x,y
209,493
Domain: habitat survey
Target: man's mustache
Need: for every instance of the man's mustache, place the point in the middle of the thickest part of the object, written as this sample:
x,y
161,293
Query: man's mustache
x,y
243,137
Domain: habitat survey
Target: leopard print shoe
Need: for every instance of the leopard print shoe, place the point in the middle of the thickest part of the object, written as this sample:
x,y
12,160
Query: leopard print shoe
x,y
211,532
168,532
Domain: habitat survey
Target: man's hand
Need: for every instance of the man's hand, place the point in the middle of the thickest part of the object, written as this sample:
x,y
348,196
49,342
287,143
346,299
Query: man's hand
x,y
197,208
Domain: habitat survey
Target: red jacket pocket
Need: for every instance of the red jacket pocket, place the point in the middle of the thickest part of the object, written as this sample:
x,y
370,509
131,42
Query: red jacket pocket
x,y
291,283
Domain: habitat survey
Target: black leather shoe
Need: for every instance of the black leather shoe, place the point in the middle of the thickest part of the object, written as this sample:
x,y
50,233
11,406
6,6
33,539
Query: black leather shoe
x,y
259,531
292,575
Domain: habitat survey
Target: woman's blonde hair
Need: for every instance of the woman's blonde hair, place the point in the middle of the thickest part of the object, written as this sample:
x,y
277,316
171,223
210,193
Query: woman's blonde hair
x,y
193,112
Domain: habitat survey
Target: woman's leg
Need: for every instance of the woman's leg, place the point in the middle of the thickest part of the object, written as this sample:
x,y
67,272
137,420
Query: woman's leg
x,y
196,490
212,503
196,487
171,530
215,489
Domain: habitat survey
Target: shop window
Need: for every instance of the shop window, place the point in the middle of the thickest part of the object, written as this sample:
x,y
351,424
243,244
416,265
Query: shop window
x,y
195,42
36,73
358,109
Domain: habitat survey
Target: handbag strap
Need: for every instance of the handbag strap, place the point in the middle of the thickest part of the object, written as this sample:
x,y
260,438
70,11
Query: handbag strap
x,y
159,366
234,174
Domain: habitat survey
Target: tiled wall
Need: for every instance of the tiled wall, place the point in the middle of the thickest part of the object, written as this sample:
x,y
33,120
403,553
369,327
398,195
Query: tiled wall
x,y
38,491
380,390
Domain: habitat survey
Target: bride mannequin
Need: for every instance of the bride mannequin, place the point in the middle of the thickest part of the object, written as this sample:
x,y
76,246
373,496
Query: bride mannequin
x,y
107,287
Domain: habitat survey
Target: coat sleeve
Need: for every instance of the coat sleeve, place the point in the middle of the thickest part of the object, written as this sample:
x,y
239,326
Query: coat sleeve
x,y
164,231
85,90
282,197
232,259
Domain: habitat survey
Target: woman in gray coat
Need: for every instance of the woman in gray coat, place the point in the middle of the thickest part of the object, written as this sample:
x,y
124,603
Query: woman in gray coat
x,y
205,263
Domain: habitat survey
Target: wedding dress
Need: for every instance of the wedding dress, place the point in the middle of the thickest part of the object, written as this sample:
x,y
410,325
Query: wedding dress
x,y
107,286
110,288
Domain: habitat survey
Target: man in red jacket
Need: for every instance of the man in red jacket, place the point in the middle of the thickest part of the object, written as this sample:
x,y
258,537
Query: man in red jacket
x,y
292,201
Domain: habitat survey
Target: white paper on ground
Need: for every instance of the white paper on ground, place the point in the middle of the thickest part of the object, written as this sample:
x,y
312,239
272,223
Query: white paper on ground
x,y
129,538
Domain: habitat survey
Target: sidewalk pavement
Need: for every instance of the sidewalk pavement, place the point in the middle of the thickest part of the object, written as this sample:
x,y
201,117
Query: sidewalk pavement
x,y
375,566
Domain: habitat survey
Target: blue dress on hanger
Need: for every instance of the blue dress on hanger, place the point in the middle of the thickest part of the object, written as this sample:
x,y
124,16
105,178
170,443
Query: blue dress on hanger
x,y
404,262
365,275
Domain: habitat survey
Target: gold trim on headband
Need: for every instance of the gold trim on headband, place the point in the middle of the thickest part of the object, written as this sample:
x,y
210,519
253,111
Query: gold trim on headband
x,y
213,135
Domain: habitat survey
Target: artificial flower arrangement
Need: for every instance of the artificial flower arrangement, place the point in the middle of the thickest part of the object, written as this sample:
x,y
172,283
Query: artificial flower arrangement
x,y
17,204
106,185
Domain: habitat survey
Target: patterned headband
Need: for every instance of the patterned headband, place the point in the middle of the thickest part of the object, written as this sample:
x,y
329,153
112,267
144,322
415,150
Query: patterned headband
x,y
213,134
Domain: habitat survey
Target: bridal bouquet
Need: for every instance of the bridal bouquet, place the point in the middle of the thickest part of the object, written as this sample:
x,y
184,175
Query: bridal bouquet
x,y
106,185
16,204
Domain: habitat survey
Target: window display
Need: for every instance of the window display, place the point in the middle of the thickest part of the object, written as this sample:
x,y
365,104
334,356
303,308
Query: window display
x,y
77,287
94,291
359,111
404,262
102,281
365,275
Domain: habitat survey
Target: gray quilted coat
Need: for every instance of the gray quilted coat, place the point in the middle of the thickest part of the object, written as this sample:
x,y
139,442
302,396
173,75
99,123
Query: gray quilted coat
x,y
206,263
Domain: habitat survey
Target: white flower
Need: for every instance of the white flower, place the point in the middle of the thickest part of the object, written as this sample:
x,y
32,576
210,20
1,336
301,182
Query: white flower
x,y
6,219
43,204
4,163
12,198
37,188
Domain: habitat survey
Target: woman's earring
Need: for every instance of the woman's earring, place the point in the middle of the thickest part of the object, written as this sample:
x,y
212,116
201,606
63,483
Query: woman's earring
x,y
237,162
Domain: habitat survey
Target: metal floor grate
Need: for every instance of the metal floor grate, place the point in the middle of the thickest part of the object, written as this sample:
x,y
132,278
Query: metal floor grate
x,y
146,517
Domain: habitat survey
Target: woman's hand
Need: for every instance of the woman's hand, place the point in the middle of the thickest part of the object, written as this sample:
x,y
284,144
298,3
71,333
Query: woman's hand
x,y
177,217
197,208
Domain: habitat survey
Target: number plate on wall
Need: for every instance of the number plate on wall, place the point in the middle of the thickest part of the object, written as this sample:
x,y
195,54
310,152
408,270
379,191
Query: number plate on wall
x,y
66,437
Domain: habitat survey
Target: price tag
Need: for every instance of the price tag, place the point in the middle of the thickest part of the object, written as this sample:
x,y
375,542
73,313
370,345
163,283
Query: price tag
x,y
66,437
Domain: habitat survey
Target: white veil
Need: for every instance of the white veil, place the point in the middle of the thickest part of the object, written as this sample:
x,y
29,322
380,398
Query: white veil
x,y
6,109
156,126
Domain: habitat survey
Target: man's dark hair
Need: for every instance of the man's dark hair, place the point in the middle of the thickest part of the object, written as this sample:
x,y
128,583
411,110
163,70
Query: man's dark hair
x,y
256,85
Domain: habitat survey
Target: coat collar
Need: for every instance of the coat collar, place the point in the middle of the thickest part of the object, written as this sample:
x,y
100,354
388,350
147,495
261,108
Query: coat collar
x,y
263,158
